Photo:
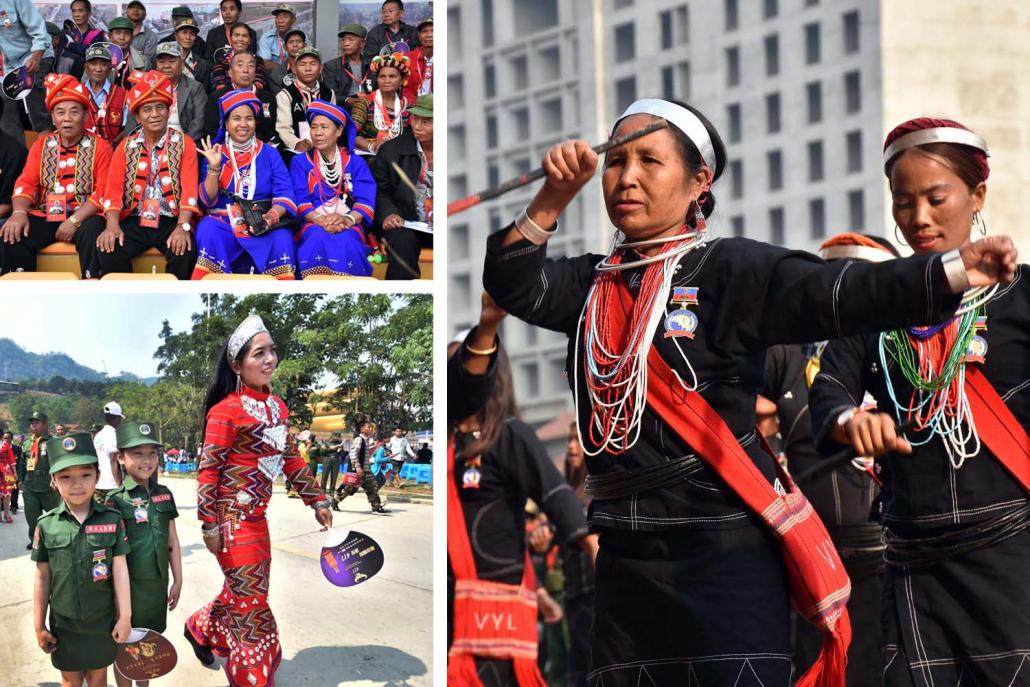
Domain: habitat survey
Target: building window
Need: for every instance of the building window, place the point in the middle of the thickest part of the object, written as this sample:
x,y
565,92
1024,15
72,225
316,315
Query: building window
x,y
519,72
683,71
736,180
776,226
775,163
531,378
495,221
732,14
489,81
493,173
456,148
547,65
770,9
732,66
812,50
488,22
456,91
853,144
816,218
734,123
856,211
625,42
619,4
458,241
625,93
458,186
737,225
808,3
665,29
773,121
520,123
814,101
534,15
772,55
852,92
460,292
815,161
550,116
682,24
851,33
454,42
668,83
491,130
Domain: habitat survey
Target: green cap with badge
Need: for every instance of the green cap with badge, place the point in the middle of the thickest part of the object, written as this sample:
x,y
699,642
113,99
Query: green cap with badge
x,y
423,106
120,23
98,51
38,415
308,51
133,434
355,29
70,450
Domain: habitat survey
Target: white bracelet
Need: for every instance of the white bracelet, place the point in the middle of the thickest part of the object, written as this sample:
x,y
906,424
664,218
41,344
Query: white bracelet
x,y
955,271
532,231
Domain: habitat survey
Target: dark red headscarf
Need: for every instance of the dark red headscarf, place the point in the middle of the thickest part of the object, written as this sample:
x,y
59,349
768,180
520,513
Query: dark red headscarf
x,y
921,123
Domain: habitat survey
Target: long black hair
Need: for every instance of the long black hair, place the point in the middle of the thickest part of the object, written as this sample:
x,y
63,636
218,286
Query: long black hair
x,y
498,408
225,381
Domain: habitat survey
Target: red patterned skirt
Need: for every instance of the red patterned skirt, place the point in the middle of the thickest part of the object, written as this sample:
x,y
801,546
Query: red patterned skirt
x,y
239,624
8,480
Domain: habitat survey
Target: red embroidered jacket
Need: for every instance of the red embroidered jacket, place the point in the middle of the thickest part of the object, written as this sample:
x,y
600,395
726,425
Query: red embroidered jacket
x,y
79,172
245,431
176,160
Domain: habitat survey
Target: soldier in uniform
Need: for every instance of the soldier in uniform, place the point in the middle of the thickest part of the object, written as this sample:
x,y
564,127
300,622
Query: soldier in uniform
x,y
148,511
360,453
34,479
331,462
79,548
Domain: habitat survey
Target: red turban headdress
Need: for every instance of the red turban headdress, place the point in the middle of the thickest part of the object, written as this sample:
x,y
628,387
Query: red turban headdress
x,y
149,87
64,88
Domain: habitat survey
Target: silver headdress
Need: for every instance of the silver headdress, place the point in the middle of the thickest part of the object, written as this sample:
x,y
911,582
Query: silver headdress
x,y
248,329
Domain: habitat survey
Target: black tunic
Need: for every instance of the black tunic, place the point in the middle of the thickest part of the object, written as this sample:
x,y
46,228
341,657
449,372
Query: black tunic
x,y
966,614
676,559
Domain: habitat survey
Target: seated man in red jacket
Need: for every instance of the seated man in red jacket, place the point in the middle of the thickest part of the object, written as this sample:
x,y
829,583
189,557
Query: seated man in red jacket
x,y
58,194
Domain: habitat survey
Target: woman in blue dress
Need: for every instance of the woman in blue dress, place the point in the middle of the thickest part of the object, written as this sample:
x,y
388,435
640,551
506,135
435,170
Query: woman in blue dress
x,y
335,195
240,166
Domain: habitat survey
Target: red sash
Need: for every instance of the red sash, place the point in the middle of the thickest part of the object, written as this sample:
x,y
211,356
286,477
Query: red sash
x,y
819,585
998,427
491,620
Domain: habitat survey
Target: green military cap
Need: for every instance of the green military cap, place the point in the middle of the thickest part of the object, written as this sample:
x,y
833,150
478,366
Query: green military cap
x,y
355,29
71,450
53,29
424,23
133,434
98,51
423,106
169,49
283,7
96,427
181,11
296,32
38,415
120,23
308,51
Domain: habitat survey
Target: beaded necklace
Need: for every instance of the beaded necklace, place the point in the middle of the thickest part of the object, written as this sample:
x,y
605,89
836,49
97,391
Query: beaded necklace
x,y
616,372
933,362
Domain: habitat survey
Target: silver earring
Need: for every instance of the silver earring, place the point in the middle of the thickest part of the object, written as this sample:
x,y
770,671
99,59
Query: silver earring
x,y
239,384
979,219
897,235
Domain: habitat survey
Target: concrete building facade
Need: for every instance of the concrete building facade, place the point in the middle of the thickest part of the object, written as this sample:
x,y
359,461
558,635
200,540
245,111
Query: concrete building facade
x,y
802,91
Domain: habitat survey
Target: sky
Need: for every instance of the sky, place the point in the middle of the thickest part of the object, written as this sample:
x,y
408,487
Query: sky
x,y
118,333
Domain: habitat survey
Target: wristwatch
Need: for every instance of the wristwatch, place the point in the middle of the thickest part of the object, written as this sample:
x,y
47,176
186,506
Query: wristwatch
x,y
186,226
845,417
76,221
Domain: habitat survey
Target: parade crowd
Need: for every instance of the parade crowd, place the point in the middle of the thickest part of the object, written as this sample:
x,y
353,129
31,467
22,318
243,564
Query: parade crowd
x,y
230,154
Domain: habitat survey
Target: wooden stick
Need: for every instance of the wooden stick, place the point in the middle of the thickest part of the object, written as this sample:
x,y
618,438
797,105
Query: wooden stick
x,y
463,204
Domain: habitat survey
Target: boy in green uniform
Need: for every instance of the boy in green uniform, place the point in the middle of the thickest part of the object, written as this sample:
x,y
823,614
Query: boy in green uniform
x,y
79,548
148,511
34,481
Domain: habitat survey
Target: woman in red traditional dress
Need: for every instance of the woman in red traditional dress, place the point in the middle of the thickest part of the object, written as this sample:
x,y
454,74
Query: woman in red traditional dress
x,y
8,478
246,447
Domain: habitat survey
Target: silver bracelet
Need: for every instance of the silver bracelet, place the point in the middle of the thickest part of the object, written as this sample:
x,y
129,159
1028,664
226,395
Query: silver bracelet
x,y
532,231
955,271
209,534
324,503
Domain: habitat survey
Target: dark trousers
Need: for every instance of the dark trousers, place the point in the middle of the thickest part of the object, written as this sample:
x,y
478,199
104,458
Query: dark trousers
x,y
36,503
368,483
22,255
404,247
330,471
139,239
14,500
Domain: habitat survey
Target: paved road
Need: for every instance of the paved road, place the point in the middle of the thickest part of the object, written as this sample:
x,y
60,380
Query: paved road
x,y
378,633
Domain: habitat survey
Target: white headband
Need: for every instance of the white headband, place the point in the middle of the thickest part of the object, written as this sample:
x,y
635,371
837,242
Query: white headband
x,y
940,134
681,118
867,253
248,329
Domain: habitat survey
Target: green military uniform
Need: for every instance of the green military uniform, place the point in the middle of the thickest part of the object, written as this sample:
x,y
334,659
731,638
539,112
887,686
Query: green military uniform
x,y
315,455
146,512
38,495
81,559
331,463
